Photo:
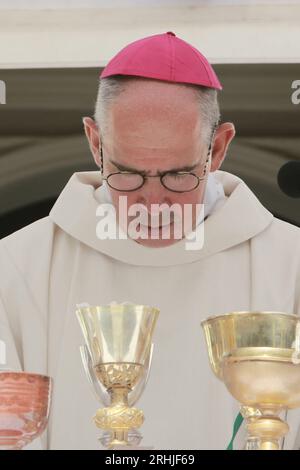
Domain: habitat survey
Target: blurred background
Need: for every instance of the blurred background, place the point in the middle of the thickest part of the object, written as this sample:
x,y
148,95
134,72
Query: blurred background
x,y
51,55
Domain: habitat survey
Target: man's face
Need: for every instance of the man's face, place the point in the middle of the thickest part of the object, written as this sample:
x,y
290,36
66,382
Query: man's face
x,y
156,127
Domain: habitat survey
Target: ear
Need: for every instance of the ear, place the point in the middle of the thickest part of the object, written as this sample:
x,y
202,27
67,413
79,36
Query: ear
x,y
224,135
92,134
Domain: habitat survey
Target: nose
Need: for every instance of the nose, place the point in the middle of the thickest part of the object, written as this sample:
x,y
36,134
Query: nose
x,y
152,195
153,192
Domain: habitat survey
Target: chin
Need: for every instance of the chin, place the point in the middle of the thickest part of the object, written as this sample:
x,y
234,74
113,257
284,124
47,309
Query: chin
x,y
156,243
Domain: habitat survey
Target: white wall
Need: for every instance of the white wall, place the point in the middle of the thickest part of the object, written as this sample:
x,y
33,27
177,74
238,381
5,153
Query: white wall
x,y
225,33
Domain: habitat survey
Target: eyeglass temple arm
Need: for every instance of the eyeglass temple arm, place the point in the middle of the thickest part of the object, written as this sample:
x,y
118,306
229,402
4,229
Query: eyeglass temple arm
x,y
216,125
101,158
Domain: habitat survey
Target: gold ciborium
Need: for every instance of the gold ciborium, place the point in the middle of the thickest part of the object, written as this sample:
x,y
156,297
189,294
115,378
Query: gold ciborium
x,y
117,357
257,356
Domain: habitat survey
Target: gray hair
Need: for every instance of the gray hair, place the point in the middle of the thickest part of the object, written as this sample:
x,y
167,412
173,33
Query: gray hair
x,y
111,87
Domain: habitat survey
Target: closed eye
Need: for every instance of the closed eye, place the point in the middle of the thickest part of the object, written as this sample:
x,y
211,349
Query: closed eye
x,y
177,176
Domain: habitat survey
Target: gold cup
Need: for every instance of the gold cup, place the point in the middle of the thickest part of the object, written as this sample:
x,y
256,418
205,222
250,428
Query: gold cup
x,y
257,356
118,338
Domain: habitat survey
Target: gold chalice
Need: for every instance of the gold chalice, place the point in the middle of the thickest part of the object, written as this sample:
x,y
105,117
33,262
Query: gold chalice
x,y
257,356
117,357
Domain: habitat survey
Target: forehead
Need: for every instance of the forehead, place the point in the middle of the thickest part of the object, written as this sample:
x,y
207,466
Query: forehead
x,y
155,111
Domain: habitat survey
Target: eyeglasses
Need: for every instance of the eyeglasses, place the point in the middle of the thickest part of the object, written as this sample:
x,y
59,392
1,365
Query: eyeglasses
x,y
177,182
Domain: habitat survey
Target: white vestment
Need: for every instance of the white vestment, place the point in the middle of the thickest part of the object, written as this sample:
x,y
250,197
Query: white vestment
x,y
250,261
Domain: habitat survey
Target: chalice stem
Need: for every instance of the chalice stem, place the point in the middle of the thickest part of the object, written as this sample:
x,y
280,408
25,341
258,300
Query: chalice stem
x,y
269,430
269,445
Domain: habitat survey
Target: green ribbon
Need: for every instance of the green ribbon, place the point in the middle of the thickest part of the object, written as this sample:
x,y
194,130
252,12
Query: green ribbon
x,y
236,426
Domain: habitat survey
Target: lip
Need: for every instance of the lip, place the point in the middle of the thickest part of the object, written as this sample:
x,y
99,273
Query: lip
x,y
155,228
